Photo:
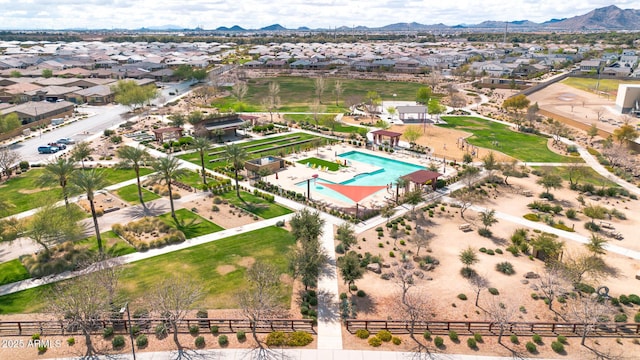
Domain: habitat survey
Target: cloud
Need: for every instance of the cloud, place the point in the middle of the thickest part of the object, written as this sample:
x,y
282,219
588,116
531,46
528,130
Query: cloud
x,y
61,14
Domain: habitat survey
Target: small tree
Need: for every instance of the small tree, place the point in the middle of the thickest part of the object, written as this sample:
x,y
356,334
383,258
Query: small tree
x,y
551,282
501,313
412,133
81,151
594,211
488,218
306,225
477,284
135,158
421,238
307,261
588,311
88,182
52,225
550,181
592,132
237,155
423,95
350,268
468,258
168,170
201,145
59,171
596,244
413,198
346,235
8,158
338,90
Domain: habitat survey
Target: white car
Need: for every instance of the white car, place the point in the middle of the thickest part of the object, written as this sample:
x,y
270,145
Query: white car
x,y
66,141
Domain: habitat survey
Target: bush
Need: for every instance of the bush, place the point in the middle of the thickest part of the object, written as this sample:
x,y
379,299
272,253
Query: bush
x,y
499,251
635,299
453,335
362,333
71,341
223,340
471,342
160,330
107,332
490,252
462,296
142,341
194,330
199,341
537,339
117,342
299,338
438,341
620,318
624,300
24,165
493,291
485,233
241,335
214,330
557,347
396,340
276,338
506,268
42,349
584,288
361,293
514,339
375,341
384,335
571,213
353,287
531,347
562,339
427,335
37,336
477,337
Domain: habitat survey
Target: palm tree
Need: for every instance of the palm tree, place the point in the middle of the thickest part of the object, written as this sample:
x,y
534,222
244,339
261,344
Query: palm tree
x,y
59,172
488,218
90,181
237,155
134,157
400,183
167,170
201,144
80,152
596,244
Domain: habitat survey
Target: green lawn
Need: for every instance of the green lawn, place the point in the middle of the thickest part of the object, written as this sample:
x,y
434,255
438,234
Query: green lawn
x,y
192,225
129,194
23,192
609,86
590,177
524,147
333,166
201,263
256,205
112,243
12,271
26,301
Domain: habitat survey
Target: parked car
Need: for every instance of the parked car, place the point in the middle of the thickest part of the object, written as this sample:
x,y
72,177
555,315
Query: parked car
x,y
48,149
58,145
66,141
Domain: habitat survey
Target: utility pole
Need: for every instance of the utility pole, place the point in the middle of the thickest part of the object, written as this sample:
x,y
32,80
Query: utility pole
x,y
122,310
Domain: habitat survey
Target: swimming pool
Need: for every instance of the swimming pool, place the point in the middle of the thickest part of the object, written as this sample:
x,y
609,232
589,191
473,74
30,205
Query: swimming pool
x,y
390,170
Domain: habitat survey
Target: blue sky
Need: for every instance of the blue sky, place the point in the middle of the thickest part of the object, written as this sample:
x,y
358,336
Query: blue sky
x,y
252,14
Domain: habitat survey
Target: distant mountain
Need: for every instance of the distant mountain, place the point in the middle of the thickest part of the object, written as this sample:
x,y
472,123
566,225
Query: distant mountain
x,y
414,26
162,28
606,18
274,27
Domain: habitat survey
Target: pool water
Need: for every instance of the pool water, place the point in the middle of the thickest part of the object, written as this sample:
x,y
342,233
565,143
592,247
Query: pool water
x,y
390,171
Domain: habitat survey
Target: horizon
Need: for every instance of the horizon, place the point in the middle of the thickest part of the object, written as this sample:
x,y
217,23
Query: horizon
x,y
313,14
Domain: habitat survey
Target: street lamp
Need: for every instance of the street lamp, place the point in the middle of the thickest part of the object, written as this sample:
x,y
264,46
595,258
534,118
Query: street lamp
x,y
122,310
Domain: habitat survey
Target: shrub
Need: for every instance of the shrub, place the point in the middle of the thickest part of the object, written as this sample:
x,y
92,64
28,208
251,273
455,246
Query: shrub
x,y
223,340
194,330
361,293
117,342
276,338
396,340
471,342
438,341
353,287
636,317
506,268
531,347
160,330
485,233
36,336
620,318
107,332
71,341
624,300
362,333
214,330
571,213
42,349
561,339
557,347
427,335
483,250
493,291
241,335
615,301
299,338
375,341
453,335
142,341
537,339
462,296
584,288
499,251
635,299
477,337
490,252
514,339
384,335
343,296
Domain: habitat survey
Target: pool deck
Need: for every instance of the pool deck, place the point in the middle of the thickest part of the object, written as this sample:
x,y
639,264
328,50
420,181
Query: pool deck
x,y
297,173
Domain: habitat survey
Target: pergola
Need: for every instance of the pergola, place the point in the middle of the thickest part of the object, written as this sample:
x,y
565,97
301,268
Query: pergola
x,y
379,135
160,133
422,177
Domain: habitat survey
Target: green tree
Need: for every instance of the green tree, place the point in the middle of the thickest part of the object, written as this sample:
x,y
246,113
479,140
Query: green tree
x,y
596,244
412,133
307,261
592,132
350,268
168,170
515,104
90,181
199,74
372,101
195,117
423,95
135,158
53,224
625,133
81,151
177,120
549,246
413,198
468,258
594,211
201,145
346,235
550,181
9,122
306,225
435,108
47,73
488,218
489,162
129,93
59,171
237,155
183,72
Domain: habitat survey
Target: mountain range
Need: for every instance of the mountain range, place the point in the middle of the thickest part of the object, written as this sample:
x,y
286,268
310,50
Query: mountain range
x,y
610,18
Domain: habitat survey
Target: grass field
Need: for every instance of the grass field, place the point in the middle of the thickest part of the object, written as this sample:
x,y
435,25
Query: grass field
x,y
256,205
267,144
333,166
524,147
23,192
590,176
129,194
12,271
112,243
192,225
609,86
298,93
